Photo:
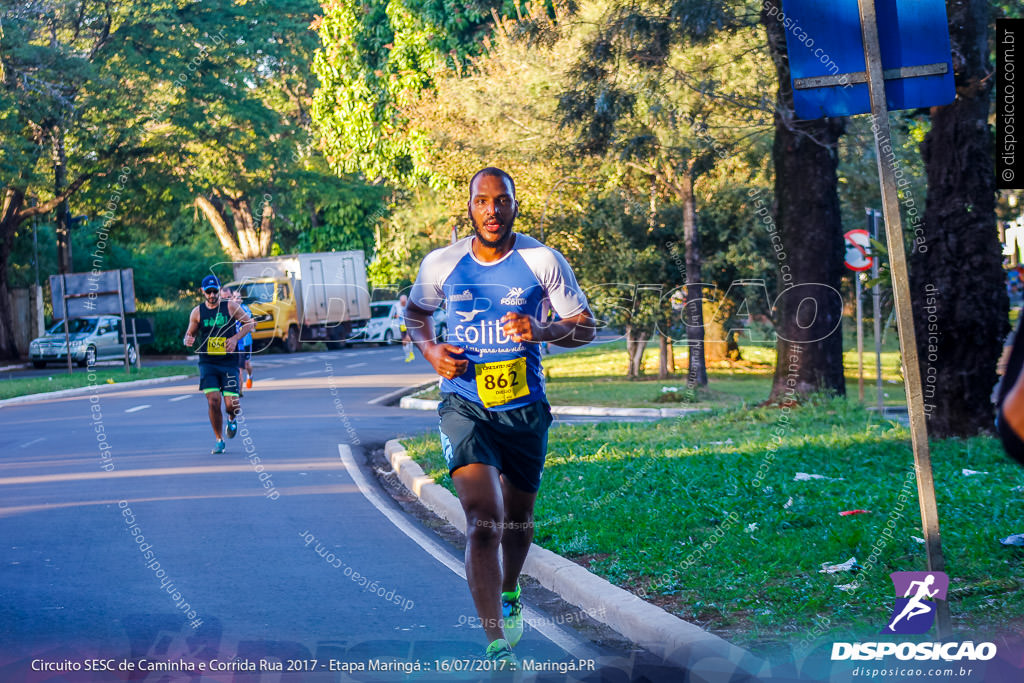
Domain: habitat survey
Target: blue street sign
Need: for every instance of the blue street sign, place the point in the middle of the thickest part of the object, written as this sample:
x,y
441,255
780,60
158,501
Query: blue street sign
x,y
826,55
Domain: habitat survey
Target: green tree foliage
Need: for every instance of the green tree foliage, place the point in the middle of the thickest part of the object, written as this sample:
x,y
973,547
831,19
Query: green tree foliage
x,y
68,114
652,92
377,59
619,251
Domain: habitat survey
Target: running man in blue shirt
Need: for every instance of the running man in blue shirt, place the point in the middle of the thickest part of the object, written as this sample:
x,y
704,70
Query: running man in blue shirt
x,y
494,415
245,343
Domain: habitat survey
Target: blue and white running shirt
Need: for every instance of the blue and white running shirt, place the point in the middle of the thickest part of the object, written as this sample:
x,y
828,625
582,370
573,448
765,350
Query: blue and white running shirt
x,y
502,374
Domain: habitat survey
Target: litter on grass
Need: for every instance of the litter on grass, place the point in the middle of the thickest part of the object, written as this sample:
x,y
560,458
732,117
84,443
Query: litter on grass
x,y
918,539
848,586
788,504
1016,539
752,527
849,566
847,513
968,473
804,476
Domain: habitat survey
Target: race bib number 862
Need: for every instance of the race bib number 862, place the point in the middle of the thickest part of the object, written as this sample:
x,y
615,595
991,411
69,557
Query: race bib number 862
x,y
501,382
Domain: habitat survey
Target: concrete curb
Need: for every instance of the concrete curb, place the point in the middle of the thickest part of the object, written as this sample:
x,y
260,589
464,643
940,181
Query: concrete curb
x,y
15,366
667,636
389,398
99,388
431,404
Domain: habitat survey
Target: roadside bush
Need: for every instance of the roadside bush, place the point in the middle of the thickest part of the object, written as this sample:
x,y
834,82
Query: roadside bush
x,y
170,320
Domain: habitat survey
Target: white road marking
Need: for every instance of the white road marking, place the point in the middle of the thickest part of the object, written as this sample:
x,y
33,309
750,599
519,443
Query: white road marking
x,y
307,373
572,644
138,408
355,365
266,379
29,443
181,398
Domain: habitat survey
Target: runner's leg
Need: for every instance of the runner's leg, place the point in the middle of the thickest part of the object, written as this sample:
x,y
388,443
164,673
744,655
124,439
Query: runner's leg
x,y
231,406
216,421
517,534
232,389
479,490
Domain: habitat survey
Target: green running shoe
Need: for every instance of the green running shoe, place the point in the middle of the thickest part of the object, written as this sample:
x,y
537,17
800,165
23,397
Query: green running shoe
x,y
500,652
219,448
232,428
512,616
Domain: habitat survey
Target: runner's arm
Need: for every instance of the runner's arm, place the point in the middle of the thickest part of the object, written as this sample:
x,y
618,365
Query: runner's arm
x,y
442,357
577,330
248,325
193,327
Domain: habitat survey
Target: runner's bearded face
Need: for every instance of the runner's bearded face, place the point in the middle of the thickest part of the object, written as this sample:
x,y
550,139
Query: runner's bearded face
x,y
492,210
212,297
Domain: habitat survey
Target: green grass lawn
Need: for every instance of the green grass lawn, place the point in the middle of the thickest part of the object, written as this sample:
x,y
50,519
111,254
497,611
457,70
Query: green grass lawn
x,y
596,375
702,517
60,379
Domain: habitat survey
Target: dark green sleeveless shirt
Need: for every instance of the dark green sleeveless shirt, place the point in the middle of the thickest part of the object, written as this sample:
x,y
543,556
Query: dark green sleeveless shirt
x,y
215,326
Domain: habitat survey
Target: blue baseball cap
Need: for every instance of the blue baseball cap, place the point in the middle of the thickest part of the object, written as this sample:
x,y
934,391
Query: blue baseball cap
x,y
211,282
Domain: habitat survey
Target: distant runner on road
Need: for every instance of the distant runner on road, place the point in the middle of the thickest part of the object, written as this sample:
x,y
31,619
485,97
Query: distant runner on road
x,y
214,320
494,415
403,301
245,343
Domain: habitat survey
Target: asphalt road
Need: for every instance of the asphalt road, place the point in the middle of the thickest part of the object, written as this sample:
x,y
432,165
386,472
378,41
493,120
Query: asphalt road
x,y
126,540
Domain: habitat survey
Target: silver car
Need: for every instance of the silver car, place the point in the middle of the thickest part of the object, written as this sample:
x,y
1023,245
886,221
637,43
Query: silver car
x,y
93,338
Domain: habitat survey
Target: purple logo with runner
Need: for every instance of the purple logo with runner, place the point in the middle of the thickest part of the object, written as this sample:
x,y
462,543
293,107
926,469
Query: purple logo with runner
x,y
916,592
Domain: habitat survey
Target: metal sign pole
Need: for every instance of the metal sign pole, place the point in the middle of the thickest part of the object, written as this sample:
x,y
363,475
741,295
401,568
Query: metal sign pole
x,y
904,314
67,323
135,343
860,338
124,327
876,308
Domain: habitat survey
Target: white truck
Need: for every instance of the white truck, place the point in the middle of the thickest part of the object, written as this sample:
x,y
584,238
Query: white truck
x,y
304,297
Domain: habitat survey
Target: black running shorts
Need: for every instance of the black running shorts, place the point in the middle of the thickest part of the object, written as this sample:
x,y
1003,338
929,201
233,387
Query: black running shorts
x,y
514,441
222,378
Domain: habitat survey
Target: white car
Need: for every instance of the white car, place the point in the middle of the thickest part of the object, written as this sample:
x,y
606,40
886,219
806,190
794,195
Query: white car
x,y
384,325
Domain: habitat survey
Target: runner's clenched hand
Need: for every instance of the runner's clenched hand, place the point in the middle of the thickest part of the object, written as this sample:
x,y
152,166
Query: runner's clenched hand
x,y
520,328
445,359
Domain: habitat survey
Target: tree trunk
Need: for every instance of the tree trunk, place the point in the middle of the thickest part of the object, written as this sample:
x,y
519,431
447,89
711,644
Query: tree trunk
x,y
664,356
214,214
60,180
245,243
809,241
957,281
266,229
13,212
716,313
636,342
241,216
697,373
12,201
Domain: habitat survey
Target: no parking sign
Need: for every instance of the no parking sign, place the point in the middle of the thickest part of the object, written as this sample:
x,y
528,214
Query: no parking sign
x,y
858,250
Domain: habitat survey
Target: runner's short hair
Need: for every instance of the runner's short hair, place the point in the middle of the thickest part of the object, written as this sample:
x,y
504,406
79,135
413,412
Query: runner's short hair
x,y
492,171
